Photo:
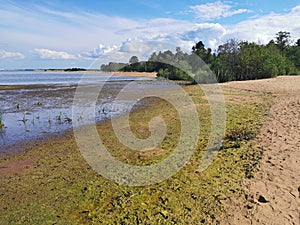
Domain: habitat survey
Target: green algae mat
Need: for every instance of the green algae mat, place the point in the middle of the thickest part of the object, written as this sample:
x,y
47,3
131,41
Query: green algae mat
x,y
51,183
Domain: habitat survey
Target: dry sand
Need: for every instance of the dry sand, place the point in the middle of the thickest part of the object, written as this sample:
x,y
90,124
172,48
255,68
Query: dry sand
x,y
275,189
135,74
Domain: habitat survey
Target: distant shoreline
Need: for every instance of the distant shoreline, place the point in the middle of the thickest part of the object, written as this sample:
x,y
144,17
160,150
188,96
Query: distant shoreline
x,y
134,74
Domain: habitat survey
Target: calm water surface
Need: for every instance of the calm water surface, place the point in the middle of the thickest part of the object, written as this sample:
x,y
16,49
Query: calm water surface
x,y
55,78
31,113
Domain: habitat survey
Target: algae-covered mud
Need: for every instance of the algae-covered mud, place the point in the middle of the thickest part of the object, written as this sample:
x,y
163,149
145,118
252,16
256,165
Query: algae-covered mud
x,y
51,183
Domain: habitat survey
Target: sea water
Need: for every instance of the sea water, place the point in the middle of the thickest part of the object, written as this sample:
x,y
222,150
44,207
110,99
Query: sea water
x,y
43,104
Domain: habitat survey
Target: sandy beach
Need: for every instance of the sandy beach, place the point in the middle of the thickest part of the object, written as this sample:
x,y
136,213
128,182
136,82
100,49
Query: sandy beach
x,y
274,192
50,181
149,112
135,74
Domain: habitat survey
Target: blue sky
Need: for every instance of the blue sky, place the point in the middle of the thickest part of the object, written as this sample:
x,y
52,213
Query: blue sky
x,y
60,34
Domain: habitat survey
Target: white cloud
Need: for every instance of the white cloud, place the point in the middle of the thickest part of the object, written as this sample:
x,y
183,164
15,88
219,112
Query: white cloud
x,y
296,10
50,54
58,29
144,46
216,10
78,32
136,46
99,51
159,26
164,35
6,55
263,29
210,33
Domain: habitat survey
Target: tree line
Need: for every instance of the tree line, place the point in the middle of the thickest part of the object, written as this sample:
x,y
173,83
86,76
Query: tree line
x,y
233,60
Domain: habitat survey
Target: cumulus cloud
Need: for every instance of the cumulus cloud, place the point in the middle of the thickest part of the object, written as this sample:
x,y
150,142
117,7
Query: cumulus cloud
x,y
121,53
296,10
216,10
6,55
165,35
50,54
210,33
144,45
136,46
99,51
